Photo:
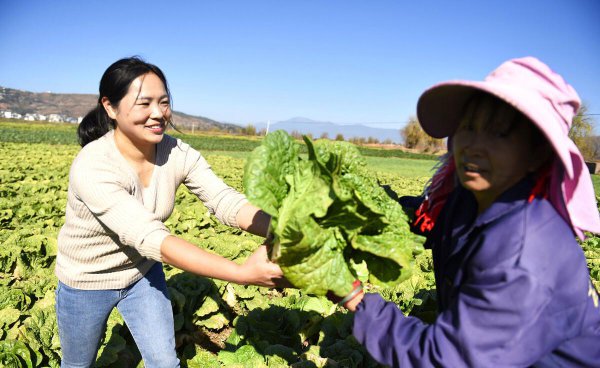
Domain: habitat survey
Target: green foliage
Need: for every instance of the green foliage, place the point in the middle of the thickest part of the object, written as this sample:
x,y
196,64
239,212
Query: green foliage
x,y
249,130
14,354
65,134
332,222
415,137
591,248
582,129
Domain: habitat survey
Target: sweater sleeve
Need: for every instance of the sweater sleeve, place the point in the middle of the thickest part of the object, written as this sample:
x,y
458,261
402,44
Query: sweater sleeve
x,y
221,200
493,321
103,188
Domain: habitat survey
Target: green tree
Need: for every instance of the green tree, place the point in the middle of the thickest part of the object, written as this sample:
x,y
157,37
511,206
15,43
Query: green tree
x,y
595,144
415,137
582,130
249,130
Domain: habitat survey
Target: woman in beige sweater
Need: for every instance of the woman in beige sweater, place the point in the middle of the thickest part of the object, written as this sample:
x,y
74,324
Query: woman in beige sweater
x,y
122,188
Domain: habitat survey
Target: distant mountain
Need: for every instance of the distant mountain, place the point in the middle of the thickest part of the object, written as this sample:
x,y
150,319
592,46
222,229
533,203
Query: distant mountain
x,y
74,105
318,128
77,105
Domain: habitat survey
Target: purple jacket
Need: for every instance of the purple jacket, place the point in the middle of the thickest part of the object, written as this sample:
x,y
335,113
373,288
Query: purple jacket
x,y
513,291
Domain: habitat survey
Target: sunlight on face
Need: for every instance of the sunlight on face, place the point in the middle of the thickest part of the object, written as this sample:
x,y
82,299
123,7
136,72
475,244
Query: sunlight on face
x,y
143,114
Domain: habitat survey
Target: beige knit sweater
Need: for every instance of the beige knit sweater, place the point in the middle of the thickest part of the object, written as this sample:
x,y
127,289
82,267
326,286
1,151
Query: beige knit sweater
x,y
114,226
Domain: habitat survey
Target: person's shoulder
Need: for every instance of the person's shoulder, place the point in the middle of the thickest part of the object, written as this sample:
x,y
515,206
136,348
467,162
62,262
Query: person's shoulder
x,y
528,228
176,154
549,238
97,151
171,144
552,253
544,222
98,160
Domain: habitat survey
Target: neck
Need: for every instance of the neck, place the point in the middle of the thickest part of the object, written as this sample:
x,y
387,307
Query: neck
x,y
137,153
483,205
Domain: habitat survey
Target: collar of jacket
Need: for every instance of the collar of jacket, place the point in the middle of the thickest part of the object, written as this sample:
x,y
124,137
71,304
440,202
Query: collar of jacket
x,y
461,220
510,199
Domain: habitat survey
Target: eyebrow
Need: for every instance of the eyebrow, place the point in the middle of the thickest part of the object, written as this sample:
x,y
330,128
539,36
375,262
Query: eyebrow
x,y
150,98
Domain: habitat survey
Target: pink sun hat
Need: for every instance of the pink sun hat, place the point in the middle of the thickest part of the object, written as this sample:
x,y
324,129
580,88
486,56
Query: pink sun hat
x,y
550,103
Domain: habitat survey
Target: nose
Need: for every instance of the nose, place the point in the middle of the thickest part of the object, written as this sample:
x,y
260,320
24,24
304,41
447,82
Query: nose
x,y
470,142
157,112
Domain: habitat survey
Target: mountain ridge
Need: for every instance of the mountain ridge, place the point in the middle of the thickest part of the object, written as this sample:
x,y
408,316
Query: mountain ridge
x,y
77,105
318,129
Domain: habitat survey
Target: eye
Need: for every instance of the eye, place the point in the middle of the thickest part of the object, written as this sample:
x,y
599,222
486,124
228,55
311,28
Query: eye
x,y
501,134
466,125
501,128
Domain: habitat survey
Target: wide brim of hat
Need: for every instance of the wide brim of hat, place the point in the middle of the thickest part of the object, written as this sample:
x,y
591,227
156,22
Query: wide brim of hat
x,y
440,109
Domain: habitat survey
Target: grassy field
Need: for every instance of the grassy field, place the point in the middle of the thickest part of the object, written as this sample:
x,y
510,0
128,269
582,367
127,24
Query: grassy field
x,y
596,181
405,167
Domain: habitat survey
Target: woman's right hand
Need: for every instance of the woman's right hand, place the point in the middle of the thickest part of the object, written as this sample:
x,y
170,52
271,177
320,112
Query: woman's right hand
x,y
259,270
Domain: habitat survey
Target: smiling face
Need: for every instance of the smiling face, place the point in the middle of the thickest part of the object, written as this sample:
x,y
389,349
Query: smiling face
x,y
143,113
494,148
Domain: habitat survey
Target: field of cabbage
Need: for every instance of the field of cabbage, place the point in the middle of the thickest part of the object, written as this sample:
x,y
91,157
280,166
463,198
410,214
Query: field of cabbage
x,y
217,324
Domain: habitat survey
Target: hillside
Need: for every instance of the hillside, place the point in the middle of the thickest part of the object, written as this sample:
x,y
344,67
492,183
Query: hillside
x,y
76,105
319,128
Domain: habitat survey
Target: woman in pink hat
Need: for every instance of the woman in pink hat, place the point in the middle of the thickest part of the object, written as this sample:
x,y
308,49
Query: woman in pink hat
x,y
501,216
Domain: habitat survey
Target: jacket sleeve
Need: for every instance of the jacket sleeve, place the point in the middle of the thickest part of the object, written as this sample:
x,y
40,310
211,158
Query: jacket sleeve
x,y
494,320
102,188
220,199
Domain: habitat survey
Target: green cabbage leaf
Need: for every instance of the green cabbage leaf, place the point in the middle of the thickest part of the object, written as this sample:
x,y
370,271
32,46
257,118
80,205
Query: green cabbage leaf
x,y
332,222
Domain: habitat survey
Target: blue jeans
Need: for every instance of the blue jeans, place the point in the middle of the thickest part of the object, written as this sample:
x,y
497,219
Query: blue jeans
x,y
145,307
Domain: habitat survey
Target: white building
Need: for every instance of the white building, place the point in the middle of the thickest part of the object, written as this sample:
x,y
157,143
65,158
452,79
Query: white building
x,y
55,118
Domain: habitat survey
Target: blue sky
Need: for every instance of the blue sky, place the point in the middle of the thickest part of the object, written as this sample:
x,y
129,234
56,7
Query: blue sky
x,y
340,61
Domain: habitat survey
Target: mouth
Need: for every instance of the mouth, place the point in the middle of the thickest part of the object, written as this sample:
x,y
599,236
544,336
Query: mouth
x,y
155,128
472,168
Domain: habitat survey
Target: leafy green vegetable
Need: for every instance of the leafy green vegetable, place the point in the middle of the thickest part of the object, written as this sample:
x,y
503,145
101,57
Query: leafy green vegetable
x,y
332,222
202,359
246,356
14,354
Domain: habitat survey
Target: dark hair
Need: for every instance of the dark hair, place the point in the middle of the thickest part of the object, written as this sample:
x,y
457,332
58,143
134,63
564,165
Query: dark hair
x,y
114,85
476,98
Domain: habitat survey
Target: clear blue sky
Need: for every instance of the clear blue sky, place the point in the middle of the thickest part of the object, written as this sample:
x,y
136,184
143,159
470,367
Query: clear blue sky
x,y
339,61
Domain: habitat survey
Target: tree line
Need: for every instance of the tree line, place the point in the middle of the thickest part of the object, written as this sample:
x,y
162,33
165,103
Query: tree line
x,y
414,138
582,133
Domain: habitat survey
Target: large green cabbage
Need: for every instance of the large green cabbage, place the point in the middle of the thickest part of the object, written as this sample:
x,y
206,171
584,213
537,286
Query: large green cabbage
x,y
332,223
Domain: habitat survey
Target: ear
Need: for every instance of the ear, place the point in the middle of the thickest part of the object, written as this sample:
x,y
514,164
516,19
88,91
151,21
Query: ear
x,y
110,110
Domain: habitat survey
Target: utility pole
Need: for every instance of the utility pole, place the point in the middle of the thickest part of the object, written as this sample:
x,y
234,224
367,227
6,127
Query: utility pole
x,y
268,123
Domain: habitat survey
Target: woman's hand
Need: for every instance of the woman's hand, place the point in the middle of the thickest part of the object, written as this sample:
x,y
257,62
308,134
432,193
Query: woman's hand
x,y
351,300
259,270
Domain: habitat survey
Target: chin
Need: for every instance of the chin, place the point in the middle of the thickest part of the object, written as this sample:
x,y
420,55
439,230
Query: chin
x,y
473,186
156,138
